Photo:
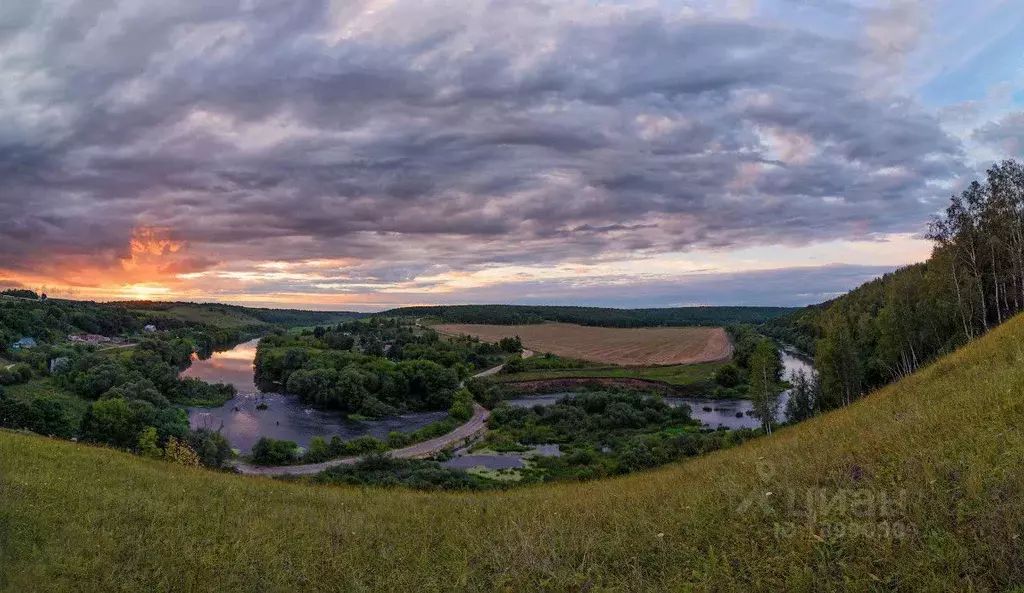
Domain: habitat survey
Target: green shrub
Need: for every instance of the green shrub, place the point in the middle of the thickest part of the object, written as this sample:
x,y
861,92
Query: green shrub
x,y
113,422
397,440
462,406
147,445
16,374
273,452
42,415
729,376
318,451
212,447
513,365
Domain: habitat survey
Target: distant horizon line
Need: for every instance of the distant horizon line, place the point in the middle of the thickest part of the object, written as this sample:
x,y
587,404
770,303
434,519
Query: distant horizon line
x,y
385,309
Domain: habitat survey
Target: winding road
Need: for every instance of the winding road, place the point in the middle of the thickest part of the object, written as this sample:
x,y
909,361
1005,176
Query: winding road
x,y
475,425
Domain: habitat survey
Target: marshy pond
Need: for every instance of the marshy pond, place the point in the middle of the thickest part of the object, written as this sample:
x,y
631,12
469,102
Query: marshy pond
x,y
713,413
243,421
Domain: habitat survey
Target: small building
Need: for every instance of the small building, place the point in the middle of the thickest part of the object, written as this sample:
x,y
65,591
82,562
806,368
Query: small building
x,y
24,343
150,328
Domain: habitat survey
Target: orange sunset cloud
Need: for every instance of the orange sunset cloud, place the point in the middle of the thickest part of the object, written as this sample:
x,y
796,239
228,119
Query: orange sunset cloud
x,y
149,269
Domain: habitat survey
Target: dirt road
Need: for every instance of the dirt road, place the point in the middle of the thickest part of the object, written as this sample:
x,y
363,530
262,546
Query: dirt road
x,y
475,425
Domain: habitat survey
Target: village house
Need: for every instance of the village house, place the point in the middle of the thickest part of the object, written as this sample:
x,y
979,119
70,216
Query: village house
x,y
25,343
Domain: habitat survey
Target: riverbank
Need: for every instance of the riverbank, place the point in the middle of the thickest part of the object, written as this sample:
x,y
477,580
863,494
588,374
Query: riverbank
x,y
476,425
456,438
938,453
559,384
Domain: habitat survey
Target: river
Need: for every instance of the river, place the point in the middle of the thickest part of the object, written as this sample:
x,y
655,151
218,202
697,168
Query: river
x,y
728,413
285,417
714,413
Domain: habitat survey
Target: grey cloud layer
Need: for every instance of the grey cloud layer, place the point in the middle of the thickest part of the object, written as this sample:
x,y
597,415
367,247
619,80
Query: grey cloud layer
x,y
457,133
1006,134
789,287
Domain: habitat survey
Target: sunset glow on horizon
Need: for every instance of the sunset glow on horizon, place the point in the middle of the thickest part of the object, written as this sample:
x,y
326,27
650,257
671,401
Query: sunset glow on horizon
x,y
366,155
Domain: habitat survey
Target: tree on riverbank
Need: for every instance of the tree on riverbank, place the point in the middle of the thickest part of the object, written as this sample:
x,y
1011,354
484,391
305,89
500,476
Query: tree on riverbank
x,y
765,367
888,328
803,396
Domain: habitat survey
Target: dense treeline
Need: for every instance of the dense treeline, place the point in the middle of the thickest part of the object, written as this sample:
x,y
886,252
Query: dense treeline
x,y
128,396
889,327
122,398
755,372
385,472
20,293
596,316
380,367
53,320
282,317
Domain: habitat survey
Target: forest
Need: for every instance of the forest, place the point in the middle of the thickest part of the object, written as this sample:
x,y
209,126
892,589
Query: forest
x,y
125,398
892,326
380,367
595,316
128,393
280,317
212,325
601,433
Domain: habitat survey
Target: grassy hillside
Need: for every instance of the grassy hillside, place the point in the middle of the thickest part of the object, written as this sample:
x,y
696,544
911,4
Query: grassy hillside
x,y
51,321
673,375
234,316
923,476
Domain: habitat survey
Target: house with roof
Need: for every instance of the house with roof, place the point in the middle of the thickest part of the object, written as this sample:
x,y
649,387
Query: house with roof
x,y
25,343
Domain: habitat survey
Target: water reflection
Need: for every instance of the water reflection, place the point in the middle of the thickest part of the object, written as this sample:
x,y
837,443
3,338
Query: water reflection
x,y
231,366
285,417
714,413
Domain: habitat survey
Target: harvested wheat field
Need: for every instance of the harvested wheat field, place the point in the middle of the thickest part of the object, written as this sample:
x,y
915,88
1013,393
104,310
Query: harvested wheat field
x,y
623,346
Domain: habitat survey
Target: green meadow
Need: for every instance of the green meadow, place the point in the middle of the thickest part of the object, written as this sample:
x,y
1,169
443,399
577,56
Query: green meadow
x,y
917,486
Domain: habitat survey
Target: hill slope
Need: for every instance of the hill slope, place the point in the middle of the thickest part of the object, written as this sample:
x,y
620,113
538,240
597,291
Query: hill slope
x,y
223,315
923,476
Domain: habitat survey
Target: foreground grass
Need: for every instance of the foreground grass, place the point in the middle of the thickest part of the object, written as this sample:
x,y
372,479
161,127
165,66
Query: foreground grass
x,y
78,518
673,375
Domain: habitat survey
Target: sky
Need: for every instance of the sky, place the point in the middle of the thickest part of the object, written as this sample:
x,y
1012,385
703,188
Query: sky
x,y
366,154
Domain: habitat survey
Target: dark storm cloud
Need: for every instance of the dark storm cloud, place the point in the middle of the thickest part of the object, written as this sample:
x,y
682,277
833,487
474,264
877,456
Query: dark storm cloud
x,y
467,133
